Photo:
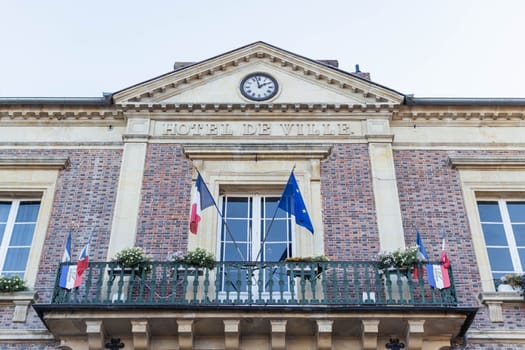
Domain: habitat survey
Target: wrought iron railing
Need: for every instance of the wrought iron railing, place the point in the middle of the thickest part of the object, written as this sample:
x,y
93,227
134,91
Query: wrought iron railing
x,y
255,283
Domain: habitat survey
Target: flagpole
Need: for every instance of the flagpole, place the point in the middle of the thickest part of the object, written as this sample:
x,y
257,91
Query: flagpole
x,y
271,223
223,220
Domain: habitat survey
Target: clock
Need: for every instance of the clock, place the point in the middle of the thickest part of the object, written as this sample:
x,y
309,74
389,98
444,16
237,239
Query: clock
x,y
259,87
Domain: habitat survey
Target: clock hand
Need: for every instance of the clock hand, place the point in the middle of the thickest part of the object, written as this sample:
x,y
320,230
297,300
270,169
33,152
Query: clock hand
x,y
257,81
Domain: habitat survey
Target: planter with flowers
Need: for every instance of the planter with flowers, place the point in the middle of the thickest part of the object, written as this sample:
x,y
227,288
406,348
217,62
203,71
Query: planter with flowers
x,y
194,261
403,260
512,282
10,284
132,261
396,267
305,267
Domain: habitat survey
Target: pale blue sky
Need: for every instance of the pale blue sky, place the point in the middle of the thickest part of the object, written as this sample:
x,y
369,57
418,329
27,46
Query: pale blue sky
x,y
445,48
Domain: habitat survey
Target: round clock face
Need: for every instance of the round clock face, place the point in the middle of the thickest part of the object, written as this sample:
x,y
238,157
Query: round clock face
x,y
259,87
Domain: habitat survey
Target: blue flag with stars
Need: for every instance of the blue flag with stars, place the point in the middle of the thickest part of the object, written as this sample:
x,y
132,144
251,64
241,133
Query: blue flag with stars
x,y
292,202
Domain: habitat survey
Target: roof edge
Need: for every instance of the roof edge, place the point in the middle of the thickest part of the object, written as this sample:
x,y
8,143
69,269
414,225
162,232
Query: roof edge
x,y
105,100
463,101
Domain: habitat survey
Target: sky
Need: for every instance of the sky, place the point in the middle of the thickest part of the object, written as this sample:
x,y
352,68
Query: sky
x,y
429,48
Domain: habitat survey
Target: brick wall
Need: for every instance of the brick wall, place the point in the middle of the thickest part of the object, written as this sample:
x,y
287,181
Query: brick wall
x,y
164,210
431,200
84,199
349,217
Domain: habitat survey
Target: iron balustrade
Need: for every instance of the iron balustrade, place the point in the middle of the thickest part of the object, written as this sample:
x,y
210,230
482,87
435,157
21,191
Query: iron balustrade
x,y
254,283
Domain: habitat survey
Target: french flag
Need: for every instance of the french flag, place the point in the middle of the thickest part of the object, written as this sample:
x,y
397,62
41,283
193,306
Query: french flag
x,y
437,273
82,265
202,199
441,279
68,272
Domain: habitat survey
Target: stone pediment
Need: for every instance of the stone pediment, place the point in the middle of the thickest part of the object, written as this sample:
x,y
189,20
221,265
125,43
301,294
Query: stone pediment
x,y
217,81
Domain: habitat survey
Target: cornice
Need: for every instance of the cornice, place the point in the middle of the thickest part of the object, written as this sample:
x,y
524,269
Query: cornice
x,y
72,114
256,151
277,108
38,162
469,113
486,162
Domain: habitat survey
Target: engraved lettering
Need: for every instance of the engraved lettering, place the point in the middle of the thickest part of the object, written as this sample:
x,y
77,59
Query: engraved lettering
x,y
287,129
196,129
226,130
344,129
182,129
212,129
327,130
265,129
300,129
249,129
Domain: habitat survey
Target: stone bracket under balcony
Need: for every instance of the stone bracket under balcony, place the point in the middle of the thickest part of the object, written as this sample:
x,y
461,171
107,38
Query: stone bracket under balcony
x,y
247,327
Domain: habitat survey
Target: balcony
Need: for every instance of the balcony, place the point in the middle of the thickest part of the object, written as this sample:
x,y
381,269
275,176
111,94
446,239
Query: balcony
x,y
334,283
278,305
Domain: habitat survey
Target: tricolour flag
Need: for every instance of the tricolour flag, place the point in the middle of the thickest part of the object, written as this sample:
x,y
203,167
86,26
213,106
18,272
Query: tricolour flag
x,y
292,202
202,199
440,271
67,272
437,273
82,264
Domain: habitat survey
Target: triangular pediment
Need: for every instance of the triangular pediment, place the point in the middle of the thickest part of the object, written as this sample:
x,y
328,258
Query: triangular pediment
x,y
217,80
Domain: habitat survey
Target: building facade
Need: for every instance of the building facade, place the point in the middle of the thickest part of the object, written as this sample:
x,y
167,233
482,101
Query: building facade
x,y
374,167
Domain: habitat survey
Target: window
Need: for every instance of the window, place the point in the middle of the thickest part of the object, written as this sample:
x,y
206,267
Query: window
x,y
503,226
254,229
17,227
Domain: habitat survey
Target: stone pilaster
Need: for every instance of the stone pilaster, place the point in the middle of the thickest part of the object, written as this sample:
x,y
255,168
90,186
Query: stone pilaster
x,y
124,230
388,209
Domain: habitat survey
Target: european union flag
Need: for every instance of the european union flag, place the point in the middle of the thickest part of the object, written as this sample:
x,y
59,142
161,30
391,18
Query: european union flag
x,y
292,202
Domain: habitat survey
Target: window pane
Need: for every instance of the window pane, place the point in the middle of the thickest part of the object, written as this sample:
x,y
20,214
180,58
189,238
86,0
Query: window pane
x,y
277,231
237,207
516,211
489,212
271,206
238,230
22,235
500,259
494,234
234,252
4,211
275,252
519,234
28,212
16,259
2,229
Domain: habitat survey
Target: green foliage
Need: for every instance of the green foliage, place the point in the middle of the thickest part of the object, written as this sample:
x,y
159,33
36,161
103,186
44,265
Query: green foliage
x,y
134,257
13,283
316,258
198,258
514,280
401,259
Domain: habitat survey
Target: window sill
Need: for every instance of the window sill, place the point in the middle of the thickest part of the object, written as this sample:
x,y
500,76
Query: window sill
x,y
495,300
21,301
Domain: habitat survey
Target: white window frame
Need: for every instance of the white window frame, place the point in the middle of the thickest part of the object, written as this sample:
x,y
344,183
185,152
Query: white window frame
x,y
509,233
8,232
22,177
